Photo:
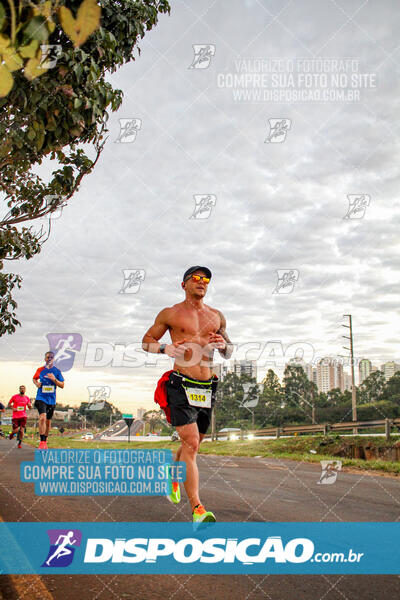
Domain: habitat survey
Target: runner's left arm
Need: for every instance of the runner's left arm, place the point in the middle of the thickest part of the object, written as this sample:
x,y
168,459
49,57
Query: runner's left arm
x,y
59,380
226,348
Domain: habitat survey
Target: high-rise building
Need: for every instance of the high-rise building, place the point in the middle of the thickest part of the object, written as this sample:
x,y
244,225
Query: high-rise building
x,y
311,373
296,362
364,369
314,376
324,375
309,370
140,413
347,381
389,369
330,374
244,367
339,377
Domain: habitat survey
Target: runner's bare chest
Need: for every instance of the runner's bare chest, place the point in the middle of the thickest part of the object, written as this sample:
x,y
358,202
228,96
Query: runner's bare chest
x,y
193,324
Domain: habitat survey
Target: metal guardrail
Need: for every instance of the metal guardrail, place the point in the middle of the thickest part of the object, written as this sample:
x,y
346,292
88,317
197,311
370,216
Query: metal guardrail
x,y
324,428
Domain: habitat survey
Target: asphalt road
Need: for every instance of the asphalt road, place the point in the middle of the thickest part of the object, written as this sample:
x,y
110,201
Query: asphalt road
x,y
236,489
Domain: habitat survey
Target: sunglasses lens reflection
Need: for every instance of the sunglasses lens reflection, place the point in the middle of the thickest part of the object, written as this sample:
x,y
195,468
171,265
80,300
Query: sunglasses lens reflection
x,y
199,277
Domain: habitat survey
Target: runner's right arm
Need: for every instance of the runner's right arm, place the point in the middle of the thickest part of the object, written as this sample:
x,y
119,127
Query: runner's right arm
x,y
150,341
36,378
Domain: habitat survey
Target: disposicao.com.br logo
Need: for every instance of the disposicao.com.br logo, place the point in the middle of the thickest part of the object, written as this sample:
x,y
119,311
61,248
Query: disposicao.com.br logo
x,y
212,550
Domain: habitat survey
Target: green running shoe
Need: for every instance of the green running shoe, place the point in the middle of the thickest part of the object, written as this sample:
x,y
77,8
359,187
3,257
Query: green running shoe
x,y
201,515
175,495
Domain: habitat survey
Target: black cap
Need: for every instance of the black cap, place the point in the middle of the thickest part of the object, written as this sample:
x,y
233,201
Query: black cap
x,y
191,270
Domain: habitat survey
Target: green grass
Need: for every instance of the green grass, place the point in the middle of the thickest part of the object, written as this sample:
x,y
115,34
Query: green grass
x,y
274,449
294,448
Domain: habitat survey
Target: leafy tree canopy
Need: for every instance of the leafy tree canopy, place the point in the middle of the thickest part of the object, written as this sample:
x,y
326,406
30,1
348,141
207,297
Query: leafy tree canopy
x,y
54,98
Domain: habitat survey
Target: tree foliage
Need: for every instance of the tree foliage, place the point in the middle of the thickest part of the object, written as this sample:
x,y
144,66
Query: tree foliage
x,y
291,402
372,387
234,402
26,32
99,418
155,418
56,117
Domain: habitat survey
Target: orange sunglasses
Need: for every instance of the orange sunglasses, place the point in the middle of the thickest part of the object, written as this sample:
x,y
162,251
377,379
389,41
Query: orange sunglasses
x,y
200,277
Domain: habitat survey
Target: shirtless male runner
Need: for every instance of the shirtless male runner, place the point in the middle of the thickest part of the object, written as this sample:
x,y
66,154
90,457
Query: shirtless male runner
x,y
196,330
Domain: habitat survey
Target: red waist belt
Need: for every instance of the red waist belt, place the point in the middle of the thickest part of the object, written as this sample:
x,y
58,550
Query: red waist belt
x,y
160,395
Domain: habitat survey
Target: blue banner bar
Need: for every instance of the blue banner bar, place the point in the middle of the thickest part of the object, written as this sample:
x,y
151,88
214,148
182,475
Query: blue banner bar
x,y
89,472
217,548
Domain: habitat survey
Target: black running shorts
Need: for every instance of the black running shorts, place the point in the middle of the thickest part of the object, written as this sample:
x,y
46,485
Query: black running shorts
x,y
182,413
42,407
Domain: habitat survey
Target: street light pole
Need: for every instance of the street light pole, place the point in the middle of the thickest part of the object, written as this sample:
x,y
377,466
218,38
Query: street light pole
x,y
353,383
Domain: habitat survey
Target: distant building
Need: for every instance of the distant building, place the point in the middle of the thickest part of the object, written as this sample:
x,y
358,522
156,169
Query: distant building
x,y
364,369
324,376
244,367
314,376
339,377
64,415
309,370
140,413
347,381
297,362
330,375
311,373
389,369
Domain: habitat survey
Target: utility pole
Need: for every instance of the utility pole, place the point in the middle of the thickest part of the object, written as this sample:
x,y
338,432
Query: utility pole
x,y
353,383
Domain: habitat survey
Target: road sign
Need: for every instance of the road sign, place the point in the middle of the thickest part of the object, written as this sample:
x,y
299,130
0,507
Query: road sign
x,y
128,420
127,416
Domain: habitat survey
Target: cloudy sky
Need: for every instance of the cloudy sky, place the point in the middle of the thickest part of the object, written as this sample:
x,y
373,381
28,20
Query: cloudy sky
x,y
275,205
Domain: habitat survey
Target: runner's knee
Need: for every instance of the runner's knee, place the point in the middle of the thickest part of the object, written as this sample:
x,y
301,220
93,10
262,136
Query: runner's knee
x,y
191,444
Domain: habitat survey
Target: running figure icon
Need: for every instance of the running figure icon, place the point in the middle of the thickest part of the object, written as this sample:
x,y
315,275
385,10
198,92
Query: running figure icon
x,y
62,549
62,347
